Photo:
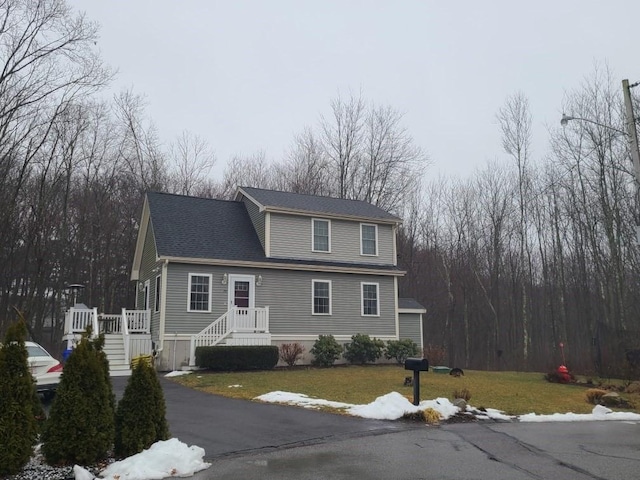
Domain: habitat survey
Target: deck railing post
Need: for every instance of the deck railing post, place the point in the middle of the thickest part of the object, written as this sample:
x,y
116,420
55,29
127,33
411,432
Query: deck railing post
x,y
125,337
95,324
192,351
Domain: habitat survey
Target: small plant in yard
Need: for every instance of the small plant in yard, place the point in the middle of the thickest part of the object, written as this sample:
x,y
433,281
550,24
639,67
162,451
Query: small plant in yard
x,y
326,350
18,424
428,415
400,350
462,393
435,354
594,395
80,428
363,349
290,353
140,417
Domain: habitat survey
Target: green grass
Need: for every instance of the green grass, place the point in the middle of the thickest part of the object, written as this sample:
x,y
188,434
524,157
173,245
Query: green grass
x,y
514,393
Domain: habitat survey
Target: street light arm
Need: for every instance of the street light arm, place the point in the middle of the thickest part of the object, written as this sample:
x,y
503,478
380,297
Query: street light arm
x,y
566,118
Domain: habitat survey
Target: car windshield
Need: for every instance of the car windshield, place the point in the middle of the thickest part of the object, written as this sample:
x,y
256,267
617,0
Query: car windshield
x,y
36,351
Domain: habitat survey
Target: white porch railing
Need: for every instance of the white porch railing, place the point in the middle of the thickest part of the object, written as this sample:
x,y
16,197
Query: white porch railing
x,y
235,320
125,323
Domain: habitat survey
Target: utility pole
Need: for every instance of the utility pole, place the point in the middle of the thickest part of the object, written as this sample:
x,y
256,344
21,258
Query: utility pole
x,y
633,141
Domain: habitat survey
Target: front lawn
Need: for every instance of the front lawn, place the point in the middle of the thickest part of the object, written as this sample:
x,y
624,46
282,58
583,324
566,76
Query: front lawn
x,y
515,393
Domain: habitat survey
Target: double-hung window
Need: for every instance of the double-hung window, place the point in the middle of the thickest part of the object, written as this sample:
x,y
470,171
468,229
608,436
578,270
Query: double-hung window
x,y
321,293
370,299
199,293
368,239
321,235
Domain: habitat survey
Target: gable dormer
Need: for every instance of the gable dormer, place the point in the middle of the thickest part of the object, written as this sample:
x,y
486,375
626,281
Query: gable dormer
x,y
310,227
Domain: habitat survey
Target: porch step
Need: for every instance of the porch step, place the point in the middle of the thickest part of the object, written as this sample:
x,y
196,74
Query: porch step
x,y
114,349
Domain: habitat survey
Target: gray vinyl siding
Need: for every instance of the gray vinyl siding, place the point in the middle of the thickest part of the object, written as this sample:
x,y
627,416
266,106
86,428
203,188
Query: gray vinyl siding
x,y
257,219
291,237
409,324
288,295
146,273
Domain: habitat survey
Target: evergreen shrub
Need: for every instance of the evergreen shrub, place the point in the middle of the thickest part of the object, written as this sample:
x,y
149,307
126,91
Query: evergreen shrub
x,y
228,359
18,424
80,428
363,349
401,350
326,350
140,417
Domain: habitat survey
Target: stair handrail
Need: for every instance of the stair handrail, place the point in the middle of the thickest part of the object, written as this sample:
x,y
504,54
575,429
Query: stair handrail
x,y
211,335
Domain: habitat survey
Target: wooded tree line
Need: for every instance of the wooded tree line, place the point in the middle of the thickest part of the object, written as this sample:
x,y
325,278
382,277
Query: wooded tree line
x,y
519,256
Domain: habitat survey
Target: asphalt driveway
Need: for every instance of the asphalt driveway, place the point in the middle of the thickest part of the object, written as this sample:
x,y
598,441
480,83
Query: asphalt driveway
x,y
226,426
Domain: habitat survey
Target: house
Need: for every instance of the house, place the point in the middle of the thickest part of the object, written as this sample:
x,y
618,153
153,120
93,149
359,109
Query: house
x,y
266,268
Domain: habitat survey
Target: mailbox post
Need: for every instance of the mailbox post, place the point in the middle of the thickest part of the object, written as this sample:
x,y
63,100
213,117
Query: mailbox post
x,y
417,365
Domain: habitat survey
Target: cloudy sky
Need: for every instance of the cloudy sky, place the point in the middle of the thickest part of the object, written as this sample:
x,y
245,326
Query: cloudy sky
x,y
248,75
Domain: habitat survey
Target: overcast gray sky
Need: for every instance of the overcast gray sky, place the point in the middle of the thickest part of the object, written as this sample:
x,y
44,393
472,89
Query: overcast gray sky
x,y
248,75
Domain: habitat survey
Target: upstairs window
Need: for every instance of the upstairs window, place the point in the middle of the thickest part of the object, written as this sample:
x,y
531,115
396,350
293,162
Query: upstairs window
x,y
368,239
370,300
321,297
321,233
157,302
199,293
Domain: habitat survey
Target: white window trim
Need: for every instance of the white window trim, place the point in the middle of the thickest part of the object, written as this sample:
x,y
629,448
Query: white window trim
x,y
362,240
313,222
156,307
191,275
313,289
362,284
146,300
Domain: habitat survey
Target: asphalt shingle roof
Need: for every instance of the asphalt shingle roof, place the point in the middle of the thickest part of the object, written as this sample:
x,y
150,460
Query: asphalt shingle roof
x,y
203,228
409,303
317,204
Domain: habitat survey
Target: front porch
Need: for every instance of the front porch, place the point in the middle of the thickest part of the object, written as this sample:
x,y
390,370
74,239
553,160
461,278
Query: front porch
x,y
127,335
237,326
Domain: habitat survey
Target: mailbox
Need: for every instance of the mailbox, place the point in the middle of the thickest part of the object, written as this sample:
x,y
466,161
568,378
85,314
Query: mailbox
x,y
416,364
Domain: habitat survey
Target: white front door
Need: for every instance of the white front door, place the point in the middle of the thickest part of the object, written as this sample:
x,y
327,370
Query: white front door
x,y
242,296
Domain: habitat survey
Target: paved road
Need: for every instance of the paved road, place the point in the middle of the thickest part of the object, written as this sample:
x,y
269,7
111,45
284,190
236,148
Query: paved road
x,y
249,440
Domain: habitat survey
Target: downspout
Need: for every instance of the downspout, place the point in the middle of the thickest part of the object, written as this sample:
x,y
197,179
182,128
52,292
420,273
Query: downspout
x,y
163,306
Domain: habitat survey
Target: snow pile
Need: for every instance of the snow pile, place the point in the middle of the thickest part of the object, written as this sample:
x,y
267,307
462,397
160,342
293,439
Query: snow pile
x,y
393,406
300,400
169,458
598,413
387,407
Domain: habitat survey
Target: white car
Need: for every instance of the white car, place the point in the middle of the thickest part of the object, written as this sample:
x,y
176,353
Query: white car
x,y
45,369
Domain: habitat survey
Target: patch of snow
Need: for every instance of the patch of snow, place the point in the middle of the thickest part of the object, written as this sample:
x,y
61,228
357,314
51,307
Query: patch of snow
x,y
168,458
80,473
177,373
393,406
234,386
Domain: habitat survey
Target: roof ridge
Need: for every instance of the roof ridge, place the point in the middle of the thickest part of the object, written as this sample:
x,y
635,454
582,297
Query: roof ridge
x,y
311,195
193,197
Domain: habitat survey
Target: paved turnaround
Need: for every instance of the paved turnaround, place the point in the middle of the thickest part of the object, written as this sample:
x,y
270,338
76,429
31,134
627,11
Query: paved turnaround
x,y
250,440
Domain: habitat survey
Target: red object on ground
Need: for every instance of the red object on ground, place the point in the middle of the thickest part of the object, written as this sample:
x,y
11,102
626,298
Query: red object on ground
x,y
563,374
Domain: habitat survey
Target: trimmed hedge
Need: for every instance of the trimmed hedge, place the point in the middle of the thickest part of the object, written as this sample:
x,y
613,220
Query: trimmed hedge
x,y
228,359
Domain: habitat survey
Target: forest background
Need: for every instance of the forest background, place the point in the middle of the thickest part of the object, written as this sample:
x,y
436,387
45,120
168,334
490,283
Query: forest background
x,y
510,262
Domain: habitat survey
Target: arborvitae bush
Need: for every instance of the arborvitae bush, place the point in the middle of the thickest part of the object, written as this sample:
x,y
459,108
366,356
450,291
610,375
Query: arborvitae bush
x,y
140,418
363,349
18,425
80,428
326,350
401,350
